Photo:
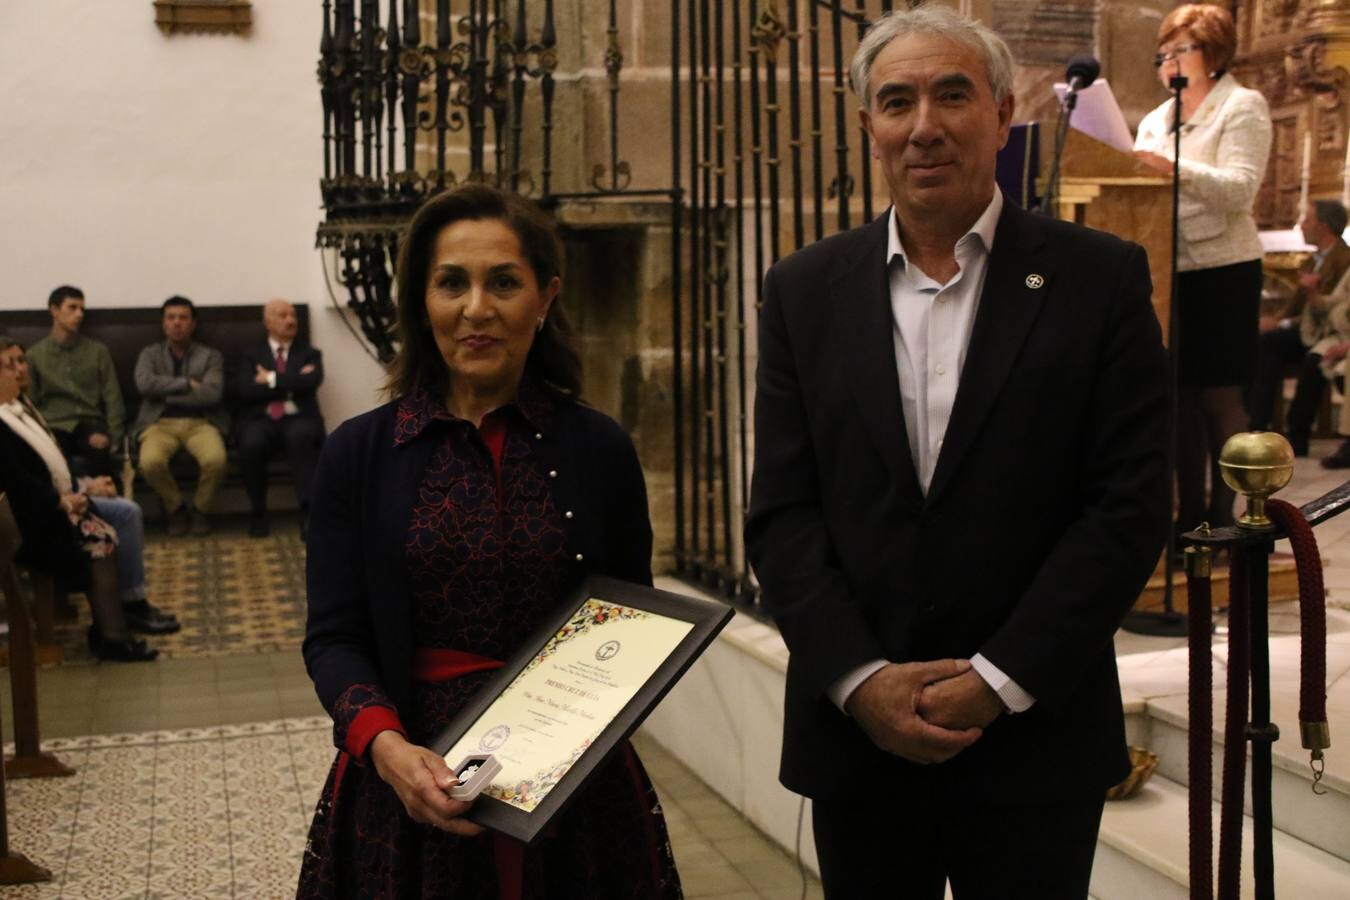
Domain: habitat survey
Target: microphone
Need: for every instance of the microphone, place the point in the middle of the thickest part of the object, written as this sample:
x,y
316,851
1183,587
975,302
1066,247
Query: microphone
x,y
1081,72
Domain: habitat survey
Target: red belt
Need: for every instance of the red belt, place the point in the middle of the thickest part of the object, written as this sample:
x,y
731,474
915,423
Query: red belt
x,y
434,664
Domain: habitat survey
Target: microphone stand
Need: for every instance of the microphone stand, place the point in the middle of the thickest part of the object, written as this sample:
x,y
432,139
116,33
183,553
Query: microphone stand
x,y
1047,205
1168,622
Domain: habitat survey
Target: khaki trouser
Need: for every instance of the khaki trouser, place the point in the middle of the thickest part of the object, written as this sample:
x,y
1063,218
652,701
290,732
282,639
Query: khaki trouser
x,y
163,439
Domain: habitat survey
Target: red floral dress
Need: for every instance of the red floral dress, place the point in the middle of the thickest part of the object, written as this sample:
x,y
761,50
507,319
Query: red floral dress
x,y
485,563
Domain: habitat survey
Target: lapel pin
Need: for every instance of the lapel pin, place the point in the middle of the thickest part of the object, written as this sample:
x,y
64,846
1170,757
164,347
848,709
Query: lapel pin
x,y
1034,281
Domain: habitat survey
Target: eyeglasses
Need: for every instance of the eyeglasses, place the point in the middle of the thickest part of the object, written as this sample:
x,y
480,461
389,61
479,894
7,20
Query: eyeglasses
x,y
1178,50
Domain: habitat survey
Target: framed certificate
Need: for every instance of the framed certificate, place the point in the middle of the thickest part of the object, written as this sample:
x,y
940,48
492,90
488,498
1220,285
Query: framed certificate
x,y
573,692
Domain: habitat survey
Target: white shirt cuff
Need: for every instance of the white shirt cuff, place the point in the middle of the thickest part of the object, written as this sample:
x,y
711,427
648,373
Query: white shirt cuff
x,y
843,688
1009,691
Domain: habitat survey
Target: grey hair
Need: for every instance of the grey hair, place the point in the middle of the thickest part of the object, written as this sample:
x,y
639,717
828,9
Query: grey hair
x,y
942,21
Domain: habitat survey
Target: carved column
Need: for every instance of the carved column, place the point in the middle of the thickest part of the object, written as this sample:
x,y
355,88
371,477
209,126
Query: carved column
x,y
1297,52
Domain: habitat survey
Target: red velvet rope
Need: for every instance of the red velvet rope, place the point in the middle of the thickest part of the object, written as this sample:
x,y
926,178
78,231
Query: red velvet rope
x,y
1235,726
1312,604
1312,696
1201,709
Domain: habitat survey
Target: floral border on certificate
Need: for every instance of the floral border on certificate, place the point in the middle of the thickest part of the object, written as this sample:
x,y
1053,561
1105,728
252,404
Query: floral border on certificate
x,y
590,614
530,792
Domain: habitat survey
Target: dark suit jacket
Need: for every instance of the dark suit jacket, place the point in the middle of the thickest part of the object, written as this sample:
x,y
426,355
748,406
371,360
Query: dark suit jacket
x,y
359,628
1047,510
49,542
291,385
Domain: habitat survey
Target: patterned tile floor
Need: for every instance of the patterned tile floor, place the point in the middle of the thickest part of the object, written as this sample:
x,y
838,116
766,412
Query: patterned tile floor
x,y
197,774
234,594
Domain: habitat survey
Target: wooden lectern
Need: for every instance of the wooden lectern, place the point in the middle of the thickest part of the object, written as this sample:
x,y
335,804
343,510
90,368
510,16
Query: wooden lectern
x,y
1111,191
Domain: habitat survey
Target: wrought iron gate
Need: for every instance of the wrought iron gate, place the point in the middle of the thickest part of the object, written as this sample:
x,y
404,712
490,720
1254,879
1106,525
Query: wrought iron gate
x,y
766,156
740,212
406,85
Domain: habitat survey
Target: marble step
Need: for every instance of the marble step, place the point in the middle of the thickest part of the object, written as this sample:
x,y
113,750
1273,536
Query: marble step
x,y
1142,853
1321,820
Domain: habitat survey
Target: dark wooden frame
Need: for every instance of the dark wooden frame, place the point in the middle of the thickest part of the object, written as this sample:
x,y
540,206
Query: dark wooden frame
x,y
708,618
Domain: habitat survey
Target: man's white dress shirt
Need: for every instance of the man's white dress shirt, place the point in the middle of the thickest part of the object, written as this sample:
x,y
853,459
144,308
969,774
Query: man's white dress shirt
x,y
932,325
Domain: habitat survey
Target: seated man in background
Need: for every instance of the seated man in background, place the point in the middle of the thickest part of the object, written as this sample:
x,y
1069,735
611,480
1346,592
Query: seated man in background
x,y
75,387
1302,332
1335,354
182,384
275,387
123,515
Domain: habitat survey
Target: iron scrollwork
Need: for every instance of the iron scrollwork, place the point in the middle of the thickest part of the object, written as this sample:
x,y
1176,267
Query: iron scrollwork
x,y
400,106
768,32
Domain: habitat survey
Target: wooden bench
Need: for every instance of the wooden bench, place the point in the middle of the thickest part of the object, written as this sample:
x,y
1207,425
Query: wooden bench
x,y
28,761
229,329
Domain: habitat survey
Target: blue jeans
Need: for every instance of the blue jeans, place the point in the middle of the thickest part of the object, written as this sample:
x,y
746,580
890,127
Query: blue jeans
x,y
126,517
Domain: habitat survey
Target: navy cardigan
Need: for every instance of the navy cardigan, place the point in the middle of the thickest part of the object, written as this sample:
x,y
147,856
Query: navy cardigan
x,y
359,626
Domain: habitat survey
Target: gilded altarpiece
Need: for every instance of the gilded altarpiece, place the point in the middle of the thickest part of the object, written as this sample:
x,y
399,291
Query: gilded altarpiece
x,y
1297,52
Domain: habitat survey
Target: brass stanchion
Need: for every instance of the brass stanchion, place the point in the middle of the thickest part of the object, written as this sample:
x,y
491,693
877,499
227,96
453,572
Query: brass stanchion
x,y
1255,464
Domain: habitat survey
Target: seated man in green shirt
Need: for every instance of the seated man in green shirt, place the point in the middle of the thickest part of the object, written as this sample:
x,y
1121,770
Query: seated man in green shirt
x,y
75,387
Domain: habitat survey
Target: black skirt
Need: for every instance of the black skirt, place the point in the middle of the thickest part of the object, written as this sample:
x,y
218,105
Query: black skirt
x,y
1217,325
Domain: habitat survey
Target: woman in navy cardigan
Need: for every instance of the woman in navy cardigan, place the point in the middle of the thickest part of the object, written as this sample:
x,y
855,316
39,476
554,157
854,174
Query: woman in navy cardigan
x,y
445,525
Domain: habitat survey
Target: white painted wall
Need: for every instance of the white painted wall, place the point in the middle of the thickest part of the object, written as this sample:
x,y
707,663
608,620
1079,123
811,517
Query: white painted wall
x,y
137,166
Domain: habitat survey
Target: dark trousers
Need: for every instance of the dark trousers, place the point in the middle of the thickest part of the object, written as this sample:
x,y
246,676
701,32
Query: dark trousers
x,y
85,460
300,436
1278,349
905,846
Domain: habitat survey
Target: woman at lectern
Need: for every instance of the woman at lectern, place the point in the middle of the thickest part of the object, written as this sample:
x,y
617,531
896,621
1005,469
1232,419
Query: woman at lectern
x,y
1225,140
446,525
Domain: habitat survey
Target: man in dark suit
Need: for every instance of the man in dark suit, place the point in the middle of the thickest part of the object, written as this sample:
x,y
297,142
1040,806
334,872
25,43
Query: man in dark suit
x,y
959,490
275,385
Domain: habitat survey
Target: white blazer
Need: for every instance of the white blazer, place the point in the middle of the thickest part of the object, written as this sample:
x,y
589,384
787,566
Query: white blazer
x,y
1224,148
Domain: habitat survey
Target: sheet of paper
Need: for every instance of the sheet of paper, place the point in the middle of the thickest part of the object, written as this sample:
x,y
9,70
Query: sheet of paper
x,y
1285,240
557,706
1098,115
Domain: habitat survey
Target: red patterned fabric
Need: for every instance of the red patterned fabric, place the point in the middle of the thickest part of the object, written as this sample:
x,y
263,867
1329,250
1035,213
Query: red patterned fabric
x,y
485,562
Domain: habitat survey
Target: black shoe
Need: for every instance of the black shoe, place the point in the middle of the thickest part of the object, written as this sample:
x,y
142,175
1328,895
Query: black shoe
x,y
259,526
176,523
128,649
1340,459
146,619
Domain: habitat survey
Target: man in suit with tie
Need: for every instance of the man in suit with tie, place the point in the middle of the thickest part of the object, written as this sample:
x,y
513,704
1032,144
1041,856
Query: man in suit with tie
x,y
275,385
959,491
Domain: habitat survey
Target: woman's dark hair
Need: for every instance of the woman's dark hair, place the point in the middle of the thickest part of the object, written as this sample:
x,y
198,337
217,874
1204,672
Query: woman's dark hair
x,y
553,360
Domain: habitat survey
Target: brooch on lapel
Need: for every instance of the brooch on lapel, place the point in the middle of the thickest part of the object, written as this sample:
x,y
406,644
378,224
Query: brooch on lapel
x,y
1035,281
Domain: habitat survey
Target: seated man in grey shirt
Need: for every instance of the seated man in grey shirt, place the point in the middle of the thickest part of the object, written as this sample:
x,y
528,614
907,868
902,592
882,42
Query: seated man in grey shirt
x,y
181,385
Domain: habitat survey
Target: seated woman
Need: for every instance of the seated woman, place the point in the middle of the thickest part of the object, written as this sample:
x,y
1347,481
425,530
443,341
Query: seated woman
x,y
61,535
125,516
445,526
